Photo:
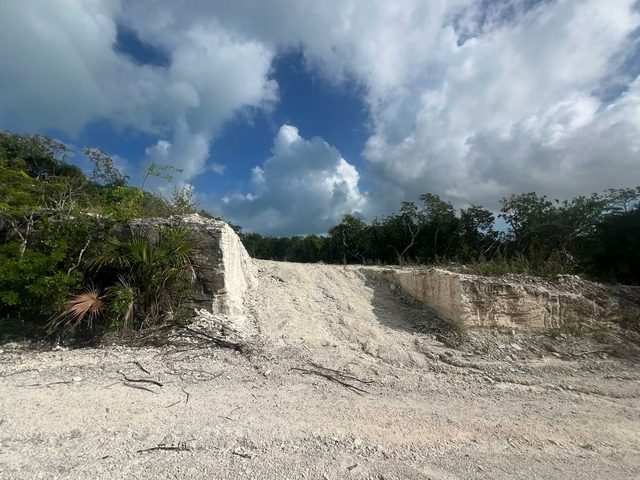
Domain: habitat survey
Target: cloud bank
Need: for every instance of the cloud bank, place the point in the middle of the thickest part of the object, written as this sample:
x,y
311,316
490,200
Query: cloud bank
x,y
469,99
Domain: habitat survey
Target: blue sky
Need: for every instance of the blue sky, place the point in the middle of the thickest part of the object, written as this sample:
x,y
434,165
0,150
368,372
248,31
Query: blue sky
x,y
285,115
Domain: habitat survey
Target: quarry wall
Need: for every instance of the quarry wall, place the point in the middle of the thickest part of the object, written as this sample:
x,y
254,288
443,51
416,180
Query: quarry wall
x,y
225,270
518,301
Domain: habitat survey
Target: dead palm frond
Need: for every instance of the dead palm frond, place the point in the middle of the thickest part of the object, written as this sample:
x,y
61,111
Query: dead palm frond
x,y
87,304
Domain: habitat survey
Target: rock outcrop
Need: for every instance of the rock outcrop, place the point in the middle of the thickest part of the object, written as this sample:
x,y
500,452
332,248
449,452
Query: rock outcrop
x,y
518,301
225,270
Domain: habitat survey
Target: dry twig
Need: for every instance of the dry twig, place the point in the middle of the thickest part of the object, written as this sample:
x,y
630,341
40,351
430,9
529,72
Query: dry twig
x,y
140,380
241,454
328,376
142,368
181,447
139,387
343,375
216,340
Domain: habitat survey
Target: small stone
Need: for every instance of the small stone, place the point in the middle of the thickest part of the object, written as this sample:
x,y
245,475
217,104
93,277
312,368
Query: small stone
x,y
77,379
266,373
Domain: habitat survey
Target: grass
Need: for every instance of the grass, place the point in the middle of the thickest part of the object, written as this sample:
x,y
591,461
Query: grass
x,y
519,265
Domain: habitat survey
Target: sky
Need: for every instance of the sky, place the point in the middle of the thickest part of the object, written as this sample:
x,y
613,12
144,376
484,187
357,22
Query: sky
x,y
287,114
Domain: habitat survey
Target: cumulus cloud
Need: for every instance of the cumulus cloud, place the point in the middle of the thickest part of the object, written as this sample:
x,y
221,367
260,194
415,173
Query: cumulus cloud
x,y
60,69
469,99
515,109
304,187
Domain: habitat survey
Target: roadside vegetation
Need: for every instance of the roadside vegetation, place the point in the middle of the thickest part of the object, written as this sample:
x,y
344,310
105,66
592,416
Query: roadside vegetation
x,y
63,270
598,236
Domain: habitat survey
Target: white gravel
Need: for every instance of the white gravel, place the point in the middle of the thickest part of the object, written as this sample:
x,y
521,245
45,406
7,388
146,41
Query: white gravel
x,y
499,405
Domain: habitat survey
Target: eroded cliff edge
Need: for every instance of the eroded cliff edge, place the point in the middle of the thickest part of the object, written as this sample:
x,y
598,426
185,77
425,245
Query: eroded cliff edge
x,y
517,301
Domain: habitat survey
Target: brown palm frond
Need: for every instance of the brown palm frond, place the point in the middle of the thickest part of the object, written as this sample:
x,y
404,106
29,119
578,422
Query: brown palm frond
x,y
87,304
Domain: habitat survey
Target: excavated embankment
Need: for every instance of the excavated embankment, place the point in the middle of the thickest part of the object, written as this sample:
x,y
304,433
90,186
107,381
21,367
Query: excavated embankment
x,y
496,403
518,301
514,301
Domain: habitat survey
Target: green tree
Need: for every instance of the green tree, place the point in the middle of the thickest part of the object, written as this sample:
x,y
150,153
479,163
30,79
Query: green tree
x,y
350,239
477,236
104,170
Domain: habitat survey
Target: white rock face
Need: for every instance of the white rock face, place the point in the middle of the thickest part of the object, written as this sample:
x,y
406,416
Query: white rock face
x,y
225,270
237,270
518,301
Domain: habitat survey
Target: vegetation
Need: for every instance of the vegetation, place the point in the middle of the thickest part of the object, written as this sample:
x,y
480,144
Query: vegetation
x,y
60,268
597,235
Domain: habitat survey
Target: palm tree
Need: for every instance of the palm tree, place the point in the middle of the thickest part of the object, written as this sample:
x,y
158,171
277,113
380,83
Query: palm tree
x,y
144,278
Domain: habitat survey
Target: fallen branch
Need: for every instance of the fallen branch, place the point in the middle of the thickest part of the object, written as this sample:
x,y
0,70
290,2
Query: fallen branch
x,y
49,384
140,380
343,375
142,368
212,376
355,389
181,447
228,417
139,387
241,454
186,400
187,394
216,340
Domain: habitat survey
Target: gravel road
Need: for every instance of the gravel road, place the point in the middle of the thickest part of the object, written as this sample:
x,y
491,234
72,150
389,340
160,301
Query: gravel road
x,y
342,376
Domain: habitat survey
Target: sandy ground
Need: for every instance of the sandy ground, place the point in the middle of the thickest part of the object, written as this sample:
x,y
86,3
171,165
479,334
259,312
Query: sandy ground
x,y
429,403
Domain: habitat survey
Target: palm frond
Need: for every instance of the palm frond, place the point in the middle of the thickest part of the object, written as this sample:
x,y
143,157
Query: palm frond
x,y
123,299
87,304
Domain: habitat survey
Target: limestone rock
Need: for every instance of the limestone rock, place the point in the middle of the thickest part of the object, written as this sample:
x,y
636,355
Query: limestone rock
x,y
225,270
518,301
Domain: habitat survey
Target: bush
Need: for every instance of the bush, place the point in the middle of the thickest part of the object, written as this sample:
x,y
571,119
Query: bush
x,y
533,264
41,266
135,284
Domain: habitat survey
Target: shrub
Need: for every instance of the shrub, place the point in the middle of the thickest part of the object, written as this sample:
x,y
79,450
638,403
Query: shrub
x,y
142,281
533,264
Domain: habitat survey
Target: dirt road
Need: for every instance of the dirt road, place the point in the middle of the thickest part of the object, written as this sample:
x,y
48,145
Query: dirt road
x,y
428,402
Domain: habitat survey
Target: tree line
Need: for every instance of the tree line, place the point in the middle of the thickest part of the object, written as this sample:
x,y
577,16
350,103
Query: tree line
x,y
598,235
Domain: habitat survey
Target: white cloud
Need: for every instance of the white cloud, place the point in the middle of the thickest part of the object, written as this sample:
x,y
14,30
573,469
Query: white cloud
x,y
469,99
513,109
306,186
59,69
218,168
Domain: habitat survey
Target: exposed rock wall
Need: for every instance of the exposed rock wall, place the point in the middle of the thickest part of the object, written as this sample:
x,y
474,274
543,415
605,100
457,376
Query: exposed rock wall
x,y
518,301
225,269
